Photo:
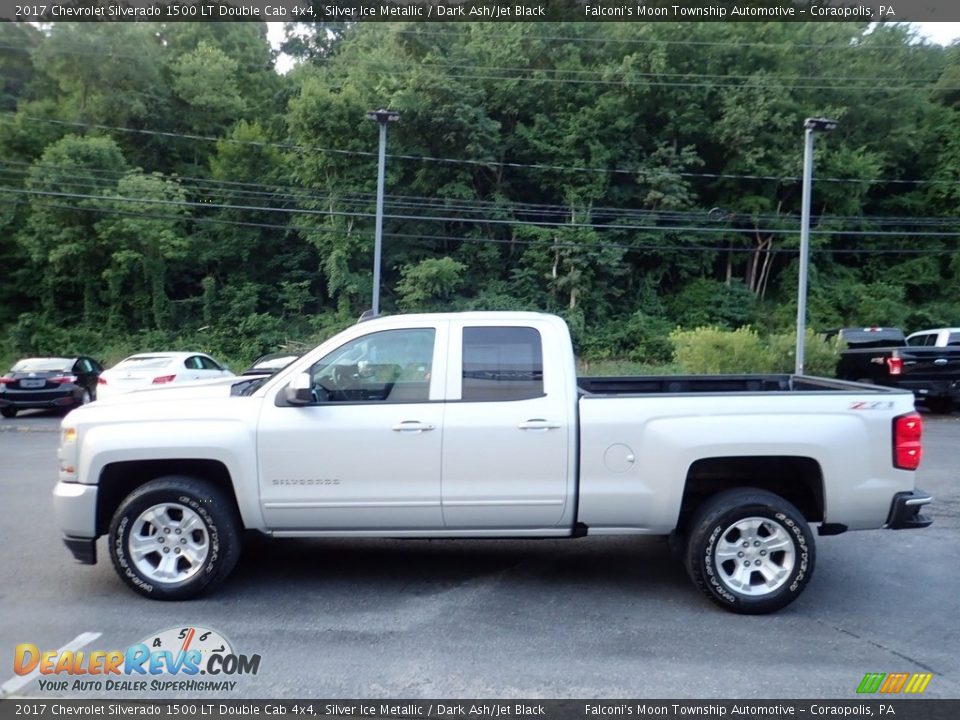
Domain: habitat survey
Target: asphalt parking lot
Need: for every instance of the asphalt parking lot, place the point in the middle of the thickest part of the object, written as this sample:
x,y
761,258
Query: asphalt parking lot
x,y
595,617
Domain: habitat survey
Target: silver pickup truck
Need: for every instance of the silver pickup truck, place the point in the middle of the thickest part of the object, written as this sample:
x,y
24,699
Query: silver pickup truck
x,y
476,425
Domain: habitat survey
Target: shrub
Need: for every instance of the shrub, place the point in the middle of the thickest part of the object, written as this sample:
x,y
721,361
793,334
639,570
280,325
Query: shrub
x,y
712,350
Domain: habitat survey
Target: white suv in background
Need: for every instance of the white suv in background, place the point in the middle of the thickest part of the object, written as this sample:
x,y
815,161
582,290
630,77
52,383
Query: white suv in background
x,y
156,370
938,337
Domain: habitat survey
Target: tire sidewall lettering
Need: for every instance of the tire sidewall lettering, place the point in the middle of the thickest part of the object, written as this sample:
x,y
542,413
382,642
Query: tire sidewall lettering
x,y
119,546
709,567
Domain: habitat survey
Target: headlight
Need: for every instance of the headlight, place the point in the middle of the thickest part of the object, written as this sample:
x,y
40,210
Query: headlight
x,y
67,454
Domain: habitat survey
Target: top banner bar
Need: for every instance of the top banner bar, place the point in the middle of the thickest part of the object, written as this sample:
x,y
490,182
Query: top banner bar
x,y
483,11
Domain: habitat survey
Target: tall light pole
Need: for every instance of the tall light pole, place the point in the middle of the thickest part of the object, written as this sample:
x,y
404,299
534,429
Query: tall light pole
x,y
811,125
382,117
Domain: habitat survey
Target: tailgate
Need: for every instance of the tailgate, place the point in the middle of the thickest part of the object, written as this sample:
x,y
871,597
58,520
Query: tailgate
x,y
931,363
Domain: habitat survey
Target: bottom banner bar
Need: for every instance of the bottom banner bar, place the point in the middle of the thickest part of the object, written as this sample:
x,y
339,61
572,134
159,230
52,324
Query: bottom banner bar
x,y
486,709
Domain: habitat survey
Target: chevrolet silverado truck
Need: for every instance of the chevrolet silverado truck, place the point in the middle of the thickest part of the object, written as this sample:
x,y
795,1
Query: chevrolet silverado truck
x,y
883,356
475,425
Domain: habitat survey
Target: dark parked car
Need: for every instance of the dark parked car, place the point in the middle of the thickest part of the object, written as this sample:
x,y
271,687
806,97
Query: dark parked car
x,y
49,382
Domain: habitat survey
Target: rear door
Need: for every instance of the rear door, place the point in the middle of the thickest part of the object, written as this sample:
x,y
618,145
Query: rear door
x,y
508,427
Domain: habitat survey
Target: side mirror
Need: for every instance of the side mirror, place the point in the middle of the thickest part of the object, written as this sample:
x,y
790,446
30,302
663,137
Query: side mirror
x,y
300,390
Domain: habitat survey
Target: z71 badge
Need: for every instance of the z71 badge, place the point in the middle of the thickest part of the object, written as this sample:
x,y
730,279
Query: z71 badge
x,y
872,405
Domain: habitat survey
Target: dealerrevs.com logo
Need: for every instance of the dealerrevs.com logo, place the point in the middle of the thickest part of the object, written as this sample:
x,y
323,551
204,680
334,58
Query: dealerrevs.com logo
x,y
180,659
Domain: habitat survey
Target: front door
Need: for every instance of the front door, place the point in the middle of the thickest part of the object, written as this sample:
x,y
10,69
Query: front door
x,y
366,455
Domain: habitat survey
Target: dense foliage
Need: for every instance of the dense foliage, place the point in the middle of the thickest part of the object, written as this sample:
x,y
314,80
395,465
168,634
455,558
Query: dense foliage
x,y
163,185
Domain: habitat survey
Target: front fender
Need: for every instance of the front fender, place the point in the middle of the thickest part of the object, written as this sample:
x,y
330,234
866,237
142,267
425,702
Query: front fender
x,y
230,442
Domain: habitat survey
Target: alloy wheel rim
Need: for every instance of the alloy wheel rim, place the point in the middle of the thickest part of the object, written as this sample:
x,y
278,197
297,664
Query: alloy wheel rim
x,y
754,556
169,543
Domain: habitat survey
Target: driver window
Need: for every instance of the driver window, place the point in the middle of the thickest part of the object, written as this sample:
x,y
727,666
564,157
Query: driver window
x,y
387,366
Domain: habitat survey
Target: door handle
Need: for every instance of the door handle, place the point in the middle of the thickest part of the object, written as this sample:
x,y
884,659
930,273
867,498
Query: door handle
x,y
412,426
538,424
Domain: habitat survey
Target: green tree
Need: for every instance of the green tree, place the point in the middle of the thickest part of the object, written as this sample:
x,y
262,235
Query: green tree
x,y
66,185
143,232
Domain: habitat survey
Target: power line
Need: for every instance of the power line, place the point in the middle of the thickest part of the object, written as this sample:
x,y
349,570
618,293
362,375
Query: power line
x,y
480,221
733,44
498,208
637,78
486,164
550,245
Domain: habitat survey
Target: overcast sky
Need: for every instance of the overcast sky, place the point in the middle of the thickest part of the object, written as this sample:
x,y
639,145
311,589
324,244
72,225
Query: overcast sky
x,y
940,32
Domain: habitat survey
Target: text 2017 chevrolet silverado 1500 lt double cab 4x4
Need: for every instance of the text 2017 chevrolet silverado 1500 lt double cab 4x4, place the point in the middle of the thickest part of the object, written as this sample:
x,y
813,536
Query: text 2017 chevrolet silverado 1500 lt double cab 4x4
x,y
475,425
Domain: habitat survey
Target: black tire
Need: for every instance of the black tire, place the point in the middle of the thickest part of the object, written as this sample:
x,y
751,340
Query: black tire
x,y
714,530
8,412
216,531
939,405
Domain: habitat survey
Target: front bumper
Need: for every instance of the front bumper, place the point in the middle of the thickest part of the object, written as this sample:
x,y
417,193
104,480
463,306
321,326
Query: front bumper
x,y
75,508
84,550
905,511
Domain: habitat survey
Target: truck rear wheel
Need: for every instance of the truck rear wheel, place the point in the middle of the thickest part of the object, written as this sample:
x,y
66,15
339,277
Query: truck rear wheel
x,y
750,551
174,538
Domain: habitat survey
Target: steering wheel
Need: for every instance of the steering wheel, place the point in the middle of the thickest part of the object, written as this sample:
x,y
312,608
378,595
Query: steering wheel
x,y
336,383
342,377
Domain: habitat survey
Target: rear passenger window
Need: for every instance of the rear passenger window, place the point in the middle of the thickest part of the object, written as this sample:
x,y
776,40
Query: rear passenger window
x,y
502,363
208,364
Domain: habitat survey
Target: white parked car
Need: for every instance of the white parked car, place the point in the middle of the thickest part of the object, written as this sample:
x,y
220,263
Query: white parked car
x,y
156,370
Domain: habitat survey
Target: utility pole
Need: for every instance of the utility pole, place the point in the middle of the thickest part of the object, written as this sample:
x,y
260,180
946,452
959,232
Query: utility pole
x,y
382,117
811,125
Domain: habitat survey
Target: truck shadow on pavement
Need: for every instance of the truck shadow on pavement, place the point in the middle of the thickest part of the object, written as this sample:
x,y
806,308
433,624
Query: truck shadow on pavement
x,y
630,565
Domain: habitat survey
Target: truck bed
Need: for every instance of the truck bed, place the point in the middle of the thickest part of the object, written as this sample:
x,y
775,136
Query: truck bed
x,y
679,384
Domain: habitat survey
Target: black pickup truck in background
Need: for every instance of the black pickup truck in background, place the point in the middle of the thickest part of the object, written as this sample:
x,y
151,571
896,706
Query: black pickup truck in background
x,y
881,356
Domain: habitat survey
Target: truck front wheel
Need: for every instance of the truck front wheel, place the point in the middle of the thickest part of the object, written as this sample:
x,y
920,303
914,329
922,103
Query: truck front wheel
x,y
174,538
750,551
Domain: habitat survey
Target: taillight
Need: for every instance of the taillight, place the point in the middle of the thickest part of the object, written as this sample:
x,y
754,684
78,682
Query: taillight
x,y
163,379
895,365
907,449
5,380
64,379
101,380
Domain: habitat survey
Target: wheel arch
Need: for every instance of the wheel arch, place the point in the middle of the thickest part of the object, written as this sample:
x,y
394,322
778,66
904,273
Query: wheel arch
x,y
119,479
797,479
